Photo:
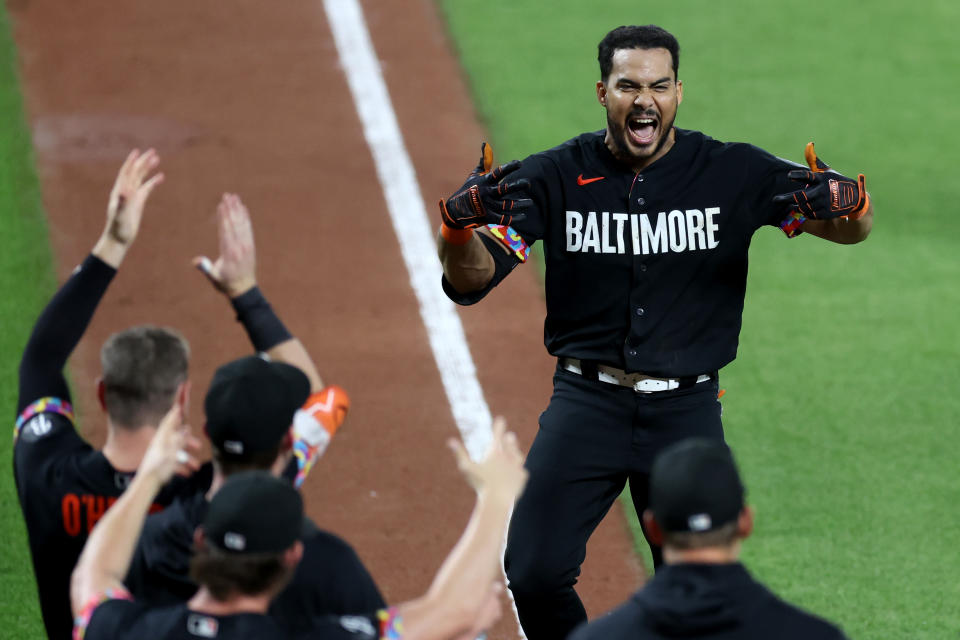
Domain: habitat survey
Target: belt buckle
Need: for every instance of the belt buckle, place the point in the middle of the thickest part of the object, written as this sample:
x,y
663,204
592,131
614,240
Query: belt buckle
x,y
651,385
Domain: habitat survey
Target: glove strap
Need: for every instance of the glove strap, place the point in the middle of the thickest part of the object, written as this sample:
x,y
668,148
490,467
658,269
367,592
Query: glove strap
x,y
455,236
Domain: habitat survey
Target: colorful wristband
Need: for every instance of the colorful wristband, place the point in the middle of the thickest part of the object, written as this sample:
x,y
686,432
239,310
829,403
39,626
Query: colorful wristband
x,y
792,223
455,236
314,426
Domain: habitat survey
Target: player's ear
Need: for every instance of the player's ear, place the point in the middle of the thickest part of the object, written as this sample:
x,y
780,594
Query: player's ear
x,y
654,533
679,91
102,394
293,555
745,522
601,93
183,396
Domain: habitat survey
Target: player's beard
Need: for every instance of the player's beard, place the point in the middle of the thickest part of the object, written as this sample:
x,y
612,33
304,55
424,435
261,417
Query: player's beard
x,y
627,153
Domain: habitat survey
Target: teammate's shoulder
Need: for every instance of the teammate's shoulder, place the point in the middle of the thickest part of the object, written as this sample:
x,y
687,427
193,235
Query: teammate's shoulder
x,y
315,537
43,419
801,623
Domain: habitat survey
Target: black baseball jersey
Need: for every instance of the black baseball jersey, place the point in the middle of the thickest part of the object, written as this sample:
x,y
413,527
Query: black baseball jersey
x,y
330,578
644,271
122,619
706,601
63,483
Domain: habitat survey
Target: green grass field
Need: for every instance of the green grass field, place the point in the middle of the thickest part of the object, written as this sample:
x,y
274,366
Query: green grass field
x,y
842,406
26,279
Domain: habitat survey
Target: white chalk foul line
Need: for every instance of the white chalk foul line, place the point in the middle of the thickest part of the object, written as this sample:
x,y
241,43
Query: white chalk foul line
x,y
411,224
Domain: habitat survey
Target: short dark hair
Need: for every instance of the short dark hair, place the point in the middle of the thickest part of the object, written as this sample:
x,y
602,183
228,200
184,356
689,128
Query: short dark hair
x,y
227,574
142,369
647,36
231,464
722,536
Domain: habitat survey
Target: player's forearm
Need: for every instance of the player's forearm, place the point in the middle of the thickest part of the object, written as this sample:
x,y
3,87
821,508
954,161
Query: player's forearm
x,y
842,230
58,330
453,600
468,267
106,557
268,334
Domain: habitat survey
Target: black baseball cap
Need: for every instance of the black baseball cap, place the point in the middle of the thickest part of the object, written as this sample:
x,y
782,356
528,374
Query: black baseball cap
x,y
254,512
251,403
695,486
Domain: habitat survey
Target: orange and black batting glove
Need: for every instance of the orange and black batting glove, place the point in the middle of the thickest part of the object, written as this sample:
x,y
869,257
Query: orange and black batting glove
x,y
825,194
485,198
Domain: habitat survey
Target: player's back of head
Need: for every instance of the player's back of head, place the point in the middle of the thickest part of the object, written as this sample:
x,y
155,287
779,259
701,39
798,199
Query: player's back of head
x,y
249,544
249,410
143,368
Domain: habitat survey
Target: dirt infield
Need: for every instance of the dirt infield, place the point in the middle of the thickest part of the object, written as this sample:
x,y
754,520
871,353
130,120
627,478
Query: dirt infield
x,y
253,100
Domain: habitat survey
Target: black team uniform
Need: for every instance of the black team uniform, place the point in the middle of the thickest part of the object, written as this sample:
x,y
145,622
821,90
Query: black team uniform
x,y
330,579
646,274
63,483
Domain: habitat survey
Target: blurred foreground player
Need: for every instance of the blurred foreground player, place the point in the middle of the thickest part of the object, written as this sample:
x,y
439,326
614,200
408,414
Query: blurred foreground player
x,y
697,513
248,547
260,415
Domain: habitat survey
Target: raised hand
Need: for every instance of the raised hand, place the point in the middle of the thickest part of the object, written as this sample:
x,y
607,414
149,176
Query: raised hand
x,y
826,194
234,272
130,192
172,449
483,198
501,471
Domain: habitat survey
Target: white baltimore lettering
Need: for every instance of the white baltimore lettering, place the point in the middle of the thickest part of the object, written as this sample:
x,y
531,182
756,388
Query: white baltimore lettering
x,y
574,231
619,218
605,233
591,235
678,231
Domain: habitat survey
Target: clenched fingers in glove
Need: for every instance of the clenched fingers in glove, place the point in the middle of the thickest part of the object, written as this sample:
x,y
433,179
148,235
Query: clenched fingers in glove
x,y
486,198
825,194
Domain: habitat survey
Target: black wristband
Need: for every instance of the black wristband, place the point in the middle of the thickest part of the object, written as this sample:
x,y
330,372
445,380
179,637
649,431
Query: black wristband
x,y
258,318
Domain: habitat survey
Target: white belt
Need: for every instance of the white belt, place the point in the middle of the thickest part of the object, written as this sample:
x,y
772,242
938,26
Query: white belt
x,y
640,382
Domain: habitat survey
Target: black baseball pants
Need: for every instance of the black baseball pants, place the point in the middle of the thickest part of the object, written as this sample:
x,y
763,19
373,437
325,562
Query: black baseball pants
x,y
594,437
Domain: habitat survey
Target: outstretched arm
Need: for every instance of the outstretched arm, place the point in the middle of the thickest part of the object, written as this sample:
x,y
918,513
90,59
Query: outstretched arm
x,y
462,589
485,198
843,230
66,317
836,208
234,274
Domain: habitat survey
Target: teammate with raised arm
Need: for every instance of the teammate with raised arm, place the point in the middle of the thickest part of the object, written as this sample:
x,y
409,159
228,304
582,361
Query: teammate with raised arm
x,y
646,229
261,414
247,547
64,484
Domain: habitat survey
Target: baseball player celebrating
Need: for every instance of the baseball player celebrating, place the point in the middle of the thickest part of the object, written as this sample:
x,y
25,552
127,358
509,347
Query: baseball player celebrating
x,y
646,230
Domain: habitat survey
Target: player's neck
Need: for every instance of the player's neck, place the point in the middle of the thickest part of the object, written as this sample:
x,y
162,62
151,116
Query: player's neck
x,y
705,555
124,448
204,602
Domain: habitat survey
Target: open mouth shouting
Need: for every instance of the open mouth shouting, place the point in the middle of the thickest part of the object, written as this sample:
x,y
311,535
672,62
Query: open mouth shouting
x,y
643,128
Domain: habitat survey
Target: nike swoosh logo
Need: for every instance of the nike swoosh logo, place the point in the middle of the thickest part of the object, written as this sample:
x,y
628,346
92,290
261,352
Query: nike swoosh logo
x,y
582,181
